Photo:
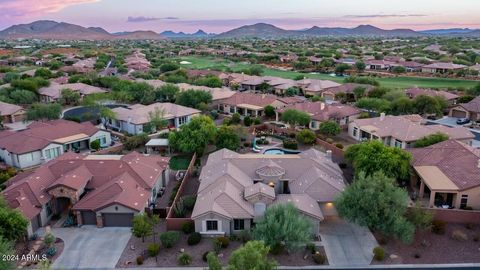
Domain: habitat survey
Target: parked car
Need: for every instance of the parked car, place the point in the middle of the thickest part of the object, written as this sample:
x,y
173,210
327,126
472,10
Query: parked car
x,y
463,121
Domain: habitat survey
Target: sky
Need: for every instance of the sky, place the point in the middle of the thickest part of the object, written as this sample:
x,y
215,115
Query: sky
x,y
217,16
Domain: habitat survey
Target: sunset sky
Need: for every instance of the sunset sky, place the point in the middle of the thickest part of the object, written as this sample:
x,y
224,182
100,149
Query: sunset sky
x,y
220,15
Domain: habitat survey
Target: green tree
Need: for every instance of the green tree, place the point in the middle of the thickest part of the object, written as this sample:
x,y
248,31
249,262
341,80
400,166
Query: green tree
x,y
13,224
193,98
69,97
398,70
341,68
359,92
283,226
142,227
420,217
6,248
292,91
253,255
269,111
194,136
330,128
156,120
228,138
376,202
373,156
360,66
373,104
40,111
44,73
427,105
213,261
295,117
166,93
431,139
95,145
23,96
401,106
306,136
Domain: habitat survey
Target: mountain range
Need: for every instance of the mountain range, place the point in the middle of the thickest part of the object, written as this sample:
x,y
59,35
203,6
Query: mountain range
x,y
65,31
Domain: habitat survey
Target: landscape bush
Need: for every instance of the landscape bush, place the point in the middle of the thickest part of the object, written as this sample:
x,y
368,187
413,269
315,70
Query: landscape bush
x,y
311,248
51,251
224,241
244,236
169,239
153,249
439,226
459,235
189,201
290,144
188,227
205,254
319,258
339,145
140,260
194,238
379,254
184,259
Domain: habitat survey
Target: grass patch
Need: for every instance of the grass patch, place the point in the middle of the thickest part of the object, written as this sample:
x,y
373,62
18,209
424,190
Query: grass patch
x,y
209,62
180,162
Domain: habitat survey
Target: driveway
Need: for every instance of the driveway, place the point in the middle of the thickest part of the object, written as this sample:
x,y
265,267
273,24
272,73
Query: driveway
x,y
347,244
91,247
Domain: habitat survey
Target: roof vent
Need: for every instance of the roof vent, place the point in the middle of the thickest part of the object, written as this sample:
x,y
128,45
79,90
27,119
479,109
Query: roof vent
x,y
382,116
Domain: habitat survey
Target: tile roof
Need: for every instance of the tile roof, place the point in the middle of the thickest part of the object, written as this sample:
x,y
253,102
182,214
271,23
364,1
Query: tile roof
x,y
409,128
473,105
458,161
321,111
139,114
127,180
55,89
9,109
414,92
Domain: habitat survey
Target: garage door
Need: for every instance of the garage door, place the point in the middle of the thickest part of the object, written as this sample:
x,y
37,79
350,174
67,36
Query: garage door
x,y
117,220
89,218
459,114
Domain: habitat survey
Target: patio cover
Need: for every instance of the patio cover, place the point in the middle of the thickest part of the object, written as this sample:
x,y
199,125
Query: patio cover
x,y
157,142
73,138
250,107
435,178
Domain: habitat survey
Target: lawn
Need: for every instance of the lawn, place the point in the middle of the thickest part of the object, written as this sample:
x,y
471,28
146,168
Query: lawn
x,y
208,62
180,162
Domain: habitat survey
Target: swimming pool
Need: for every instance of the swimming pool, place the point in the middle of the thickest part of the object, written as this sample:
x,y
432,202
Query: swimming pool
x,y
278,151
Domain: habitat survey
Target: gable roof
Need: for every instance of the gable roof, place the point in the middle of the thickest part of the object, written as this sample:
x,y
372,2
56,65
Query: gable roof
x,y
473,105
414,92
321,111
9,109
139,114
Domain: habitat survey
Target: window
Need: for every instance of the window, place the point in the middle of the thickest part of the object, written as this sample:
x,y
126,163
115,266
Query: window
x,y
212,225
238,225
355,132
48,209
103,140
182,120
52,153
398,144
232,109
463,201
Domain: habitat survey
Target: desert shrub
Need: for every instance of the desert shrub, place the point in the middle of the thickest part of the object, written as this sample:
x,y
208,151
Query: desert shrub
x,y
49,239
439,226
194,239
169,239
153,249
311,248
329,140
217,245
378,253
188,227
224,241
184,259
51,251
319,258
459,235
290,144
247,121
95,145
244,236
189,202
140,260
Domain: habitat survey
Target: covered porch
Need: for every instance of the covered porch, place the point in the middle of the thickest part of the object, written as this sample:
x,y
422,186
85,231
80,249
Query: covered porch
x,y
75,143
432,188
249,110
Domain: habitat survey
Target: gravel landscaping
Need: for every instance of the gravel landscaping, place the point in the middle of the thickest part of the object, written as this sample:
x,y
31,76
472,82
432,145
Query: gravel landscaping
x,y
430,248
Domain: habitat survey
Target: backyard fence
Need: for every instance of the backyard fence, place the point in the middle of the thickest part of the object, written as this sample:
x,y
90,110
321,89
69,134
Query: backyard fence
x,y
456,215
173,223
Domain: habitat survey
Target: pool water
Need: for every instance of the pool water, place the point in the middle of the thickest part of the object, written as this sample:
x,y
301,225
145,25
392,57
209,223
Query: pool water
x,y
275,151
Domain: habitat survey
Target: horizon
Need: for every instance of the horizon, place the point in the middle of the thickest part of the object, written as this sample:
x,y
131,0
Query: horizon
x,y
192,15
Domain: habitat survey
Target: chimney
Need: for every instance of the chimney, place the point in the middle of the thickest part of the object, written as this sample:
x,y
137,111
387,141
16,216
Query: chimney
x,y
478,163
322,106
329,154
382,116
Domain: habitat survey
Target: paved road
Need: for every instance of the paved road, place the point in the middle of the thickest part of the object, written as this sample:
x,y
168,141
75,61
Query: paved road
x,y
346,244
91,247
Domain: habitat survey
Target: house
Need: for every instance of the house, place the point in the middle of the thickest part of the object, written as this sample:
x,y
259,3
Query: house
x,y
470,110
253,104
332,92
135,118
442,67
320,112
451,98
288,58
102,190
218,94
313,87
44,141
315,60
137,62
447,175
11,113
411,66
53,92
379,64
402,131
236,189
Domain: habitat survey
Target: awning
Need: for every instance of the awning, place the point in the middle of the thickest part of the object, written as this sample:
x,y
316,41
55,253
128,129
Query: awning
x,y
73,138
157,142
435,179
250,107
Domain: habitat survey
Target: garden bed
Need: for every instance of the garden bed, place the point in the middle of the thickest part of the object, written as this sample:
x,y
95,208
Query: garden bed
x,y
180,162
428,248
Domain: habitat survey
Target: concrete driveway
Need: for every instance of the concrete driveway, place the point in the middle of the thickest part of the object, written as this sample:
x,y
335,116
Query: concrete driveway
x,y
347,244
91,247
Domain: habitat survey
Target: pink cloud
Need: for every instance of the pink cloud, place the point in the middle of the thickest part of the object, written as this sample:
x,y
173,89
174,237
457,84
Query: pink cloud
x,y
23,8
